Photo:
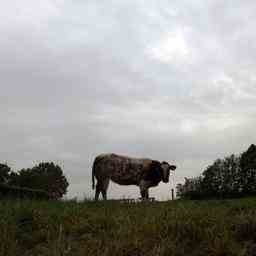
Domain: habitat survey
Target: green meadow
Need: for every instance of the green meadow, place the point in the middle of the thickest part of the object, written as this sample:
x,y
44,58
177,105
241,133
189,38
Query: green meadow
x,y
178,227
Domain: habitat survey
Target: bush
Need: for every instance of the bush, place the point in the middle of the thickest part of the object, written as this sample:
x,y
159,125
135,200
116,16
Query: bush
x,y
231,177
45,176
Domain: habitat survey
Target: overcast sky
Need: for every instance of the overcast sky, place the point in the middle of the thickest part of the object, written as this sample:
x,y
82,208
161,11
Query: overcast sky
x,y
168,80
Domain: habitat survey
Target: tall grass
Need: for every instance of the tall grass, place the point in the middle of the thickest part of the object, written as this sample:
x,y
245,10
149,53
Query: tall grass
x,y
113,228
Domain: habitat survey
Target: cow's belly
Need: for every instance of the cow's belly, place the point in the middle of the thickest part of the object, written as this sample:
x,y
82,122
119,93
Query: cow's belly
x,y
126,176
124,181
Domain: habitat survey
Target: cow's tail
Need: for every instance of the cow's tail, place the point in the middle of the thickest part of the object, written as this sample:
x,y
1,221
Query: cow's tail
x,y
93,174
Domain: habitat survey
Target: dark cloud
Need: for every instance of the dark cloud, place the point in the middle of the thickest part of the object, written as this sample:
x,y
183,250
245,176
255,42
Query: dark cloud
x,y
169,80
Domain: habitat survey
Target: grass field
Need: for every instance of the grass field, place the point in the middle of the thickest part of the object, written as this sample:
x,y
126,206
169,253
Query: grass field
x,y
112,228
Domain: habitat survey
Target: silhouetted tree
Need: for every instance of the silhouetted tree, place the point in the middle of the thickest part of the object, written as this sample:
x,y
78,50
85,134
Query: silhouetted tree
x,y
179,190
5,172
222,178
190,189
219,180
248,170
212,179
231,183
45,176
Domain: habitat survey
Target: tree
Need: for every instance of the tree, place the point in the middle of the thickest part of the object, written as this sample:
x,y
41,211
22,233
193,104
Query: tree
x,y
232,176
222,178
45,176
190,189
5,171
212,179
248,170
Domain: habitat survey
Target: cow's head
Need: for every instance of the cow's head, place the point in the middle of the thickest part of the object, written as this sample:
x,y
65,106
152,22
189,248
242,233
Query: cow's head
x,y
166,171
157,172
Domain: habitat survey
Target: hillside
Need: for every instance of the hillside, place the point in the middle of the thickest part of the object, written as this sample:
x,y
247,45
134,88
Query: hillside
x,y
113,228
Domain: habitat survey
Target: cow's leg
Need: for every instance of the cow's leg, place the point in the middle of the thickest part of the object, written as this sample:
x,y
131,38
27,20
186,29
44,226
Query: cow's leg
x,y
104,189
144,189
97,192
144,193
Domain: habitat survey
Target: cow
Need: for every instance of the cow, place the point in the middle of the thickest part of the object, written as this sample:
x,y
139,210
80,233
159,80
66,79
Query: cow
x,y
123,170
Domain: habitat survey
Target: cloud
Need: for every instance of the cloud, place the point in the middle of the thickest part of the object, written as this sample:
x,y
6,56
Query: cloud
x,y
168,80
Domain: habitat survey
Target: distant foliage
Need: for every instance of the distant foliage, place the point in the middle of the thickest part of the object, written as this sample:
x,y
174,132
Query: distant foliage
x,y
190,189
5,171
233,176
248,170
45,176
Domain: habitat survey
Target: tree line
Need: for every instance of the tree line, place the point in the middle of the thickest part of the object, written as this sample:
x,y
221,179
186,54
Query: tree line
x,y
232,176
45,180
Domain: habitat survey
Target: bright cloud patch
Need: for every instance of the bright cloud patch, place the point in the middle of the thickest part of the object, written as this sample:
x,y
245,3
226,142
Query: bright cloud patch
x,y
172,46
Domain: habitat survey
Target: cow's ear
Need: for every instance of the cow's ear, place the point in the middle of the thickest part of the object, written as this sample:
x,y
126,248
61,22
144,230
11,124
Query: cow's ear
x,y
154,172
173,167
